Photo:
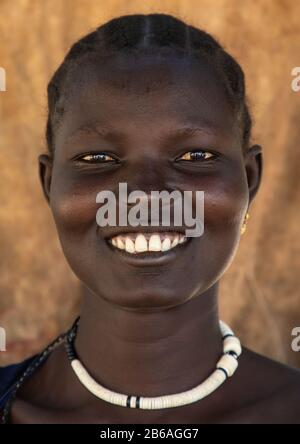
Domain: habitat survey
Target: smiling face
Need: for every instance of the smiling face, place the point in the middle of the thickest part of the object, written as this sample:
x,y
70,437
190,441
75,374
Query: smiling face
x,y
134,112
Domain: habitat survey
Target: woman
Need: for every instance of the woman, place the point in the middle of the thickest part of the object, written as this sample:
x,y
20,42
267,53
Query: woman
x,y
152,102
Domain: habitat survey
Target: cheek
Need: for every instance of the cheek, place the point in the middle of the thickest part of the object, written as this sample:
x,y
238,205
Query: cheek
x,y
74,208
224,208
226,197
225,205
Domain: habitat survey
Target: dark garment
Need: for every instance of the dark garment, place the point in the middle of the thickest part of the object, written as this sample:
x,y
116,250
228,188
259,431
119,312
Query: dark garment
x,y
9,376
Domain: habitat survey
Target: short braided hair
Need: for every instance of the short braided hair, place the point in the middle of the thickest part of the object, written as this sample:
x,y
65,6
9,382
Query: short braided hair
x,y
138,33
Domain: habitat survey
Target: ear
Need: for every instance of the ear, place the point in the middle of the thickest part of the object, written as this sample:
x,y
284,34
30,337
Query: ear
x,y
254,169
45,174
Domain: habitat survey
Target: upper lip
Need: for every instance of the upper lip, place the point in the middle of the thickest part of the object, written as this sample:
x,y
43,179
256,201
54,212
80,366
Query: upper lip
x,y
116,231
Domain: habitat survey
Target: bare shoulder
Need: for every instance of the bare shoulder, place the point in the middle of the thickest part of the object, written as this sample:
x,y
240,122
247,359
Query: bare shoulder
x,y
274,371
273,389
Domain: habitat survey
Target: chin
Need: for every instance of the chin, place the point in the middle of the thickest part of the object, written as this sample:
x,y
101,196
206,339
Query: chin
x,y
150,300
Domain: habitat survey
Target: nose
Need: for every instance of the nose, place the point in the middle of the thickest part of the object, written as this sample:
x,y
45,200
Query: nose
x,y
146,173
143,175
148,196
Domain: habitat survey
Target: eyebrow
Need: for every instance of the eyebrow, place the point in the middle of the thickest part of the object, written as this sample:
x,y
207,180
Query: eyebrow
x,y
110,131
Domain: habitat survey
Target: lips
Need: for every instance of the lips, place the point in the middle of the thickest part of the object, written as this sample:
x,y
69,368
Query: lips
x,y
136,243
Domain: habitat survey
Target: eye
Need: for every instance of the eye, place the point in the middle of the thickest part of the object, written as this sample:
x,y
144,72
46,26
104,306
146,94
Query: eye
x,y
96,158
196,155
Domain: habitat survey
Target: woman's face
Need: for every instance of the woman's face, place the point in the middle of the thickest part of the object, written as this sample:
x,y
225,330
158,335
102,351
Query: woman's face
x,y
146,101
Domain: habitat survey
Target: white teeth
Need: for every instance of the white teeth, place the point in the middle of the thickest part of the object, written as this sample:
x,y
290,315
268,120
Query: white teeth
x,y
166,245
154,243
129,245
120,243
141,243
182,238
175,241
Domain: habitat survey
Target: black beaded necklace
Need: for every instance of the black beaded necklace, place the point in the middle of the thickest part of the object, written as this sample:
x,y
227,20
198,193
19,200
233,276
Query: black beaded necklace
x,y
40,359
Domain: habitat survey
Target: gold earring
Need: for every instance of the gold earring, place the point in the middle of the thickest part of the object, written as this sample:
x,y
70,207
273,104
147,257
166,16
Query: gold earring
x,y
244,226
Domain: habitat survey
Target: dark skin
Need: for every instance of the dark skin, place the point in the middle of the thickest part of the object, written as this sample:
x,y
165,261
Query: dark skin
x,y
152,329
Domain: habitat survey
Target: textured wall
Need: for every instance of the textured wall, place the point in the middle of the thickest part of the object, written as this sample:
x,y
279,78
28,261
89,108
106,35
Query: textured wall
x,y
260,292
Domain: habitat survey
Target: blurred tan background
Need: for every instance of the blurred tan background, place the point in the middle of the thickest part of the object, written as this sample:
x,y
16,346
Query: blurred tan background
x,y
39,295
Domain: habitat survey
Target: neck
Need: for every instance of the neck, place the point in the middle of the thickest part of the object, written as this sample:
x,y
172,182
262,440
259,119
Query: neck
x,y
150,353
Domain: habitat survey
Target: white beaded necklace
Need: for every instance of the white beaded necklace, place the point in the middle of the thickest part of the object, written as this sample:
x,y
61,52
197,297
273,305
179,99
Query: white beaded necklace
x,y
225,368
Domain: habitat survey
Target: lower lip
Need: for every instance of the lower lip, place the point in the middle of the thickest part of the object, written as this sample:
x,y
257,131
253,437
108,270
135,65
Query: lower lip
x,y
150,258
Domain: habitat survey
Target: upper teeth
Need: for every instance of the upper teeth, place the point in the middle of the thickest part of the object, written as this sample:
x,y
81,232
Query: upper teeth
x,y
138,243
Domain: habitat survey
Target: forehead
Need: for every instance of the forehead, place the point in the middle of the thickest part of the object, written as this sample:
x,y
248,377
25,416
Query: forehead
x,y
146,94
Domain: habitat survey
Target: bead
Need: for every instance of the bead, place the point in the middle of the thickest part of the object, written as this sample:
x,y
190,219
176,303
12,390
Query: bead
x,y
232,353
228,363
225,330
229,335
138,402
133,402
232,344
224,371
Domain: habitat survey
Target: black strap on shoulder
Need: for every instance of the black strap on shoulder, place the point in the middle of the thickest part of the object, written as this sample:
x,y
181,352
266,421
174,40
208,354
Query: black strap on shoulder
x,y
8,377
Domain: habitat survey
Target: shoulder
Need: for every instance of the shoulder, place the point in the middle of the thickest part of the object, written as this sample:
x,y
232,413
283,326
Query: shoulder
x,y
274,371
274,388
